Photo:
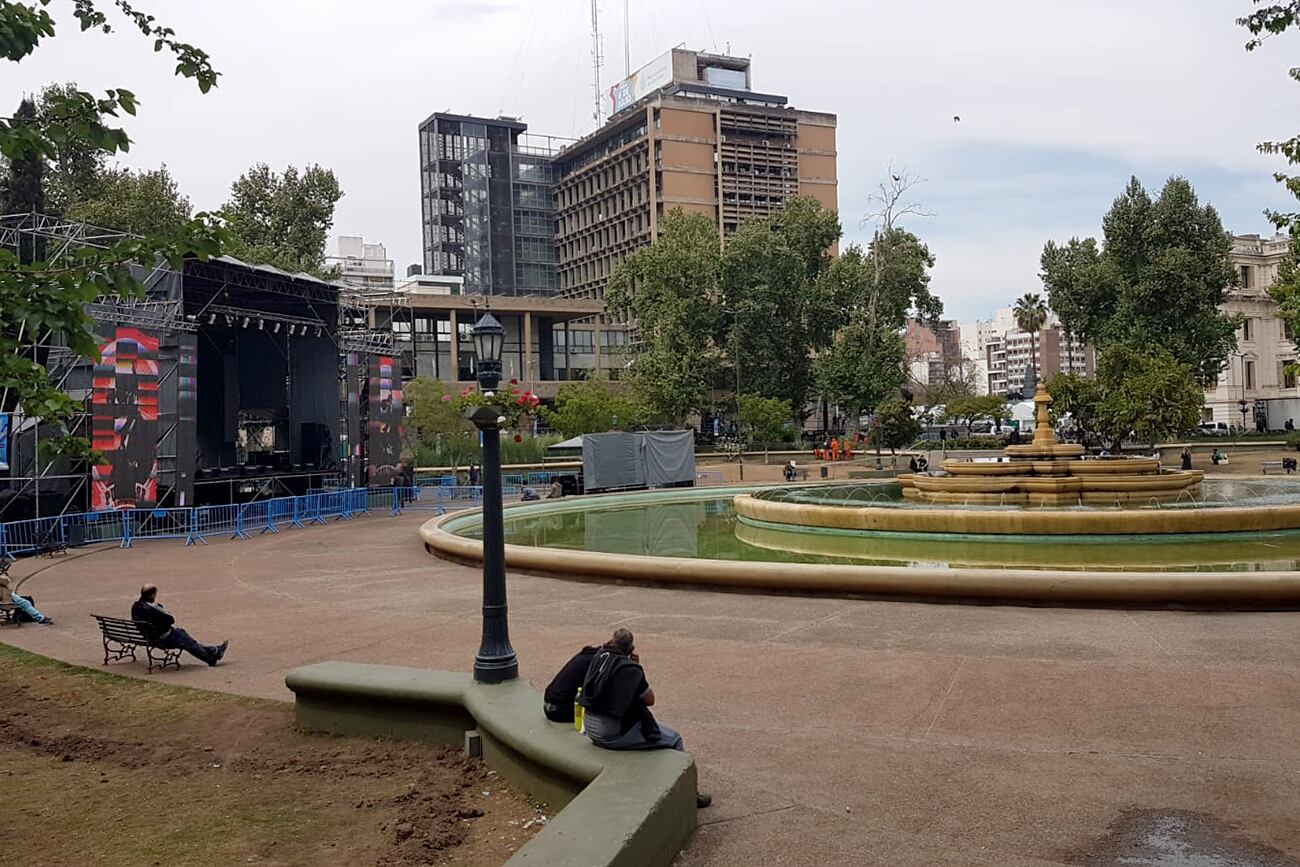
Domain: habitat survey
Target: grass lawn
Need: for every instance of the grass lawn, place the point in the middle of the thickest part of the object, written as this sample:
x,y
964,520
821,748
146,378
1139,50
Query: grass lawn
x,y
97,768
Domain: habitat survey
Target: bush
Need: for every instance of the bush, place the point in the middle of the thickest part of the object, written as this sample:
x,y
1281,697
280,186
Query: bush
x,y
459,450
1293,440
959,444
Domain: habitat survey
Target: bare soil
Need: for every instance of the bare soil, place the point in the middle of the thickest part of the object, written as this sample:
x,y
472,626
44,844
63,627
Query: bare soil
x,y
97,768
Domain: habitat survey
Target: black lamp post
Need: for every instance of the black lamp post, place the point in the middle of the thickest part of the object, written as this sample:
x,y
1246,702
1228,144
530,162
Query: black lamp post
x,y
495,661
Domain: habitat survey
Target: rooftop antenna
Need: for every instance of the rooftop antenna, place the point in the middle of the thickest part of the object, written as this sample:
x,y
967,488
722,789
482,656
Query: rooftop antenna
x,y
598,103
627,43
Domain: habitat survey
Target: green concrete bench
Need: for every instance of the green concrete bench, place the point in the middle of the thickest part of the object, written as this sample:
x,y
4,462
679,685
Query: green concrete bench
x,y
615,808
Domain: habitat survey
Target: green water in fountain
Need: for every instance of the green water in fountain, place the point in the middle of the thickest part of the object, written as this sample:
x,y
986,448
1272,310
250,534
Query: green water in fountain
x,y
703,524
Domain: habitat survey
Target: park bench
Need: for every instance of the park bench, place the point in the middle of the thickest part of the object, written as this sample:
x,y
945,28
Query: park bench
x,y
9,613
122,637
1287,465
50,544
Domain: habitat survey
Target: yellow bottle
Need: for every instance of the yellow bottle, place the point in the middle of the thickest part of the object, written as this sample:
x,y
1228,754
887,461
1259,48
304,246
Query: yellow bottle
x,y
577,711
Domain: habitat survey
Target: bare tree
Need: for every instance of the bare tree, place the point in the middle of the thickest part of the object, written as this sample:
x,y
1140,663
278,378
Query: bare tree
x,y
890,202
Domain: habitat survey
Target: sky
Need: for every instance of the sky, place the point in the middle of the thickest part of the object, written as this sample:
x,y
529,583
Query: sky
x,y
1060,102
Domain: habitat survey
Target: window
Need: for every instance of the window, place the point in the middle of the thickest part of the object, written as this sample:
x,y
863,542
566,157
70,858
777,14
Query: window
x,y
1286,375
444,331
583,343
1250,375
1245,329
1287,333
1247,277
613,338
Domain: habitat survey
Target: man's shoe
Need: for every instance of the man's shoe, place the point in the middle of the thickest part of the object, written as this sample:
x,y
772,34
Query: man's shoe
x,y
221,651
49,621
702,800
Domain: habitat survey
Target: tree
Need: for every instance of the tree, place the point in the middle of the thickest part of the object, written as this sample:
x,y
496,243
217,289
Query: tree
x,y
23,189
972,408
432,410
283,219
1144,394
765,419
896,426
1031,313
671,289
42,298
144,202
1157,281
593,406
75,169
867,306
769,266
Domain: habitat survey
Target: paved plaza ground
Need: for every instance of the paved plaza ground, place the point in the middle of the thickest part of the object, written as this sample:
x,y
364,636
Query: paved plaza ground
x,y
830,731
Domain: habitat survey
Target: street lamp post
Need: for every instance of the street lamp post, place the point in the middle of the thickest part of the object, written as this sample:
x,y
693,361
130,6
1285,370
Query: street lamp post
x,y
495,661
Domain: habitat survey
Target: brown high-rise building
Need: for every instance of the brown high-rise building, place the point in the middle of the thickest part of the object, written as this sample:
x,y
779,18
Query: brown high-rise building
x,y
687,132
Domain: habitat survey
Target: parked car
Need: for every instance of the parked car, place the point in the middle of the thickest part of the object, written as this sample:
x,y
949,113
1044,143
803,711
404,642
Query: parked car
x,y
1213,429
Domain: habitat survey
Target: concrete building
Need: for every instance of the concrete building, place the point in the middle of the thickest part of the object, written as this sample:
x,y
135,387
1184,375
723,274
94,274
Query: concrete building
x,y
365,266
488,204
687,131
544,345
1004,352
934,354
1255,372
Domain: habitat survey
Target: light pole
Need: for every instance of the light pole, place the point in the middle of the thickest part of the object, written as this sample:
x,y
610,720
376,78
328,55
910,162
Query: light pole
x,y
1243,403
495,661
735,352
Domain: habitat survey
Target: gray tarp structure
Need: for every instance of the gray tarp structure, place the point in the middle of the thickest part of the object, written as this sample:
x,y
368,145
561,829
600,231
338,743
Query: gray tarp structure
x,y
669,457
637,460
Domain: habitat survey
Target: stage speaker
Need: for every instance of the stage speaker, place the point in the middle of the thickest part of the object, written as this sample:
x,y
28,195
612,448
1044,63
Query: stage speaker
x,y
315,444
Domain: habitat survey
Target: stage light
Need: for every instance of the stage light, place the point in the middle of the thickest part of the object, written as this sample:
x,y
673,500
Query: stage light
x,y
246,321
275,329
230,320
261,324
191,317
318,331
212,318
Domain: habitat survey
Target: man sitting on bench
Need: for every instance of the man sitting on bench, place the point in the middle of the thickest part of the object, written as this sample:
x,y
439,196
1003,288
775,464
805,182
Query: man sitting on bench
x,y
24,605
158,625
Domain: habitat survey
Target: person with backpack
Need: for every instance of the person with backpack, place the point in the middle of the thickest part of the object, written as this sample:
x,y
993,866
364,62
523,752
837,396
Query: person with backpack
x,y
616,700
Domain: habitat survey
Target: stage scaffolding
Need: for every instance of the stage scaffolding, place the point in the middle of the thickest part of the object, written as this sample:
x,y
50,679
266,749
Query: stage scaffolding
x,y
161,308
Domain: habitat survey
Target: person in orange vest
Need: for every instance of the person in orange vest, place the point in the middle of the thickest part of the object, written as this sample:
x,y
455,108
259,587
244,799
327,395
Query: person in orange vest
x,y
835,449
848,449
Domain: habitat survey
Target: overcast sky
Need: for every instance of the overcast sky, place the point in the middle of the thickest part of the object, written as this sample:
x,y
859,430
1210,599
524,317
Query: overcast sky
x,y
1059,101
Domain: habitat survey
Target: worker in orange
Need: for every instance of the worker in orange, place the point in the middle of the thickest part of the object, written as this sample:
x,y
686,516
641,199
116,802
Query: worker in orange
x,y
848,449
835,448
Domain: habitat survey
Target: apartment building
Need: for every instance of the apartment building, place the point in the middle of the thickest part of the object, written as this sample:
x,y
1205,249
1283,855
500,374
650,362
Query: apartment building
x,y
1005,354
1256,371
688,131
487,203
934,352
365,266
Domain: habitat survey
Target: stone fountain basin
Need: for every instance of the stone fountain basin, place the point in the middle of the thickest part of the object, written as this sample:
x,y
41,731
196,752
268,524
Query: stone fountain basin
x,y
1042,521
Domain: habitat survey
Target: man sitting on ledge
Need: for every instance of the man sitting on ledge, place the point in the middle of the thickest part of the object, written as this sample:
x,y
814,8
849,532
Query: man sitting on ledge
x,y
158,626
616,700
562,691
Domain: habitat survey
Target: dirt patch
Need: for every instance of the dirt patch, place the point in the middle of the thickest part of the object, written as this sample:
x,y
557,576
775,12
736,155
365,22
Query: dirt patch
x,y
104,769
1176,838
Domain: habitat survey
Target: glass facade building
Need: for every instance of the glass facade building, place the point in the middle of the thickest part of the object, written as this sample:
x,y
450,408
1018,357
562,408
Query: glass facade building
x,y
488,204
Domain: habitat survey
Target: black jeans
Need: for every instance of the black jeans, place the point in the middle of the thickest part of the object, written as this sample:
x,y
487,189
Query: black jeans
x,y
179,639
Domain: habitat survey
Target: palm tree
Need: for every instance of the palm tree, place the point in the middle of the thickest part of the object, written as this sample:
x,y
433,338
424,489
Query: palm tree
x,y
1031,312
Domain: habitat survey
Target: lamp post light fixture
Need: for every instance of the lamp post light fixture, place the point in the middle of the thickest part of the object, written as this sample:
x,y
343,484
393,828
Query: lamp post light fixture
x,y
495,661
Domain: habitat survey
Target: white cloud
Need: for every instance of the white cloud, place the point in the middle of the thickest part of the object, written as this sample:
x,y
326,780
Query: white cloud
x,y
1162,86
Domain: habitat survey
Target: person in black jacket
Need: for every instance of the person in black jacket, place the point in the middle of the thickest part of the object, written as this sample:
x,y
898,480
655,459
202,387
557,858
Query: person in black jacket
x,y
557,701
160,627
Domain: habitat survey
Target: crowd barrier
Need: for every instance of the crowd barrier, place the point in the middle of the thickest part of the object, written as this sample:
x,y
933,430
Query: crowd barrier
x,y
237,521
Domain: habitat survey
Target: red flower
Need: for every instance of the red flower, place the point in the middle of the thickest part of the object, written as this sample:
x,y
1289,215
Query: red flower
x,y
536,400
520,400
514,381
446,397
518,438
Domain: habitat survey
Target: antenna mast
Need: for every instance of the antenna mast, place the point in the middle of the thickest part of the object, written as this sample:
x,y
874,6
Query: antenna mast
x,y
598,102
627,43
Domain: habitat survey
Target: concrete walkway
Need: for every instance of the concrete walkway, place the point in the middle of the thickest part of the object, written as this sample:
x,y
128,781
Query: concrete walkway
x,y
831,731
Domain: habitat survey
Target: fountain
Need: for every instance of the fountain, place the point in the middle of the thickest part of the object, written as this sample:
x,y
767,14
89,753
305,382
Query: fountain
x,y
1041,522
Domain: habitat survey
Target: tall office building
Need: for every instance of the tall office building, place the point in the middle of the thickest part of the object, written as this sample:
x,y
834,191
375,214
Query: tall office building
x,y
687,131
488,204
